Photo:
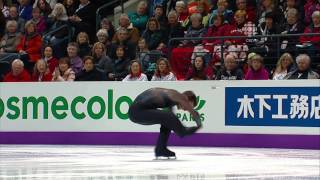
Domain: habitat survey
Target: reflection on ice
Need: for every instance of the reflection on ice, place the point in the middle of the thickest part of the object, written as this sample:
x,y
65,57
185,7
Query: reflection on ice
x,y
132,162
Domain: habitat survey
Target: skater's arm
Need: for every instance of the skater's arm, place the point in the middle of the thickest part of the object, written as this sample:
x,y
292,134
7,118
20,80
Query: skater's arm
x,y
183,103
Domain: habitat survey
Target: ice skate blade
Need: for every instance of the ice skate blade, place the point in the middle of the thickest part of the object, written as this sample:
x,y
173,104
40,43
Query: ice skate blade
x,y
165,158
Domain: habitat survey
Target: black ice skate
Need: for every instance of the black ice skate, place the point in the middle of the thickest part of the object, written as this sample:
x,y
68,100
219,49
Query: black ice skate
x,y
164,154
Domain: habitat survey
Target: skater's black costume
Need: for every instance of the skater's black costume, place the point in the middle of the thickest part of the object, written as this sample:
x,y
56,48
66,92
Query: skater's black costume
x,y
144,110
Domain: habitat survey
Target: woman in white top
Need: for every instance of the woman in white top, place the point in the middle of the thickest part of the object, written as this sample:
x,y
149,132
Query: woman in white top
x,y
163,71
135,73
284,65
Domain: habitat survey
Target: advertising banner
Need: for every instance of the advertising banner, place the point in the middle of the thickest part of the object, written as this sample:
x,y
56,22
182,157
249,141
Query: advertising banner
x,y
232,109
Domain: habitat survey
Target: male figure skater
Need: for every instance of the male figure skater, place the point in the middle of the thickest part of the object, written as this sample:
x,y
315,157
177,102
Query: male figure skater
x,y
144,110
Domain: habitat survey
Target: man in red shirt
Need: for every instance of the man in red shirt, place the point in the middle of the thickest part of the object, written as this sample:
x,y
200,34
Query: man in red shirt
x,y
18,73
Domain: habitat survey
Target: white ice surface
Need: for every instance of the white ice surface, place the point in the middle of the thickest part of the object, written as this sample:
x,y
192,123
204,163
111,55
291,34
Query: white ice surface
x,y
136,162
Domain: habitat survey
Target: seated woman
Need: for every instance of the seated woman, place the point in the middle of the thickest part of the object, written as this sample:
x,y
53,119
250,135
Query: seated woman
x,y
181,56
56,20
309,8
117,68
222,9
249,7
98,53
303,70
135,72
218,28
73,54
89,72
64,72
292,26
45,7
39,20
163,71
159,14
267,46
256,69
269,6
153,35
30,46
71,6
103,37
10,40
147,65
41,72
230,70
84,45
312,43
140,17
284,66
199,71
108,26
174,29
182,11
50,60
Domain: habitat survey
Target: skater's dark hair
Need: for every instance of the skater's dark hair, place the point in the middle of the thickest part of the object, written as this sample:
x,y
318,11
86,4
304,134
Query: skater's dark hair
x,y
191,97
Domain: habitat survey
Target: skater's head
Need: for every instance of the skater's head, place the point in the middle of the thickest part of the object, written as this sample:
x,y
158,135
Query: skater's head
x,y
191,97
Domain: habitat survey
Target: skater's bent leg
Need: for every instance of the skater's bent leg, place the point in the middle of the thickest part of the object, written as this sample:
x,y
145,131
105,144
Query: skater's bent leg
x,y
171,121
161,147
163,137
165,118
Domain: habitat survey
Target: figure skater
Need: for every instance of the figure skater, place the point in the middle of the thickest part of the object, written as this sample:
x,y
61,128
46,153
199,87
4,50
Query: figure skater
x,y
145,110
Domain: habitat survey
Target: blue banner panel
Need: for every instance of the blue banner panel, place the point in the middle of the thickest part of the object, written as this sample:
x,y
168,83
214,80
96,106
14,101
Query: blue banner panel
x,y
273,106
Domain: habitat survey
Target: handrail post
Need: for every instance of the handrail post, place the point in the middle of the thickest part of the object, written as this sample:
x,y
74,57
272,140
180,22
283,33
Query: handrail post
x,y
122,6
278,46
222,50
98,19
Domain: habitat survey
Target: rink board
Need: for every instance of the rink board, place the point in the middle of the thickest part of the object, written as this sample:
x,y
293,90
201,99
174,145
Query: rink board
x,y
275,114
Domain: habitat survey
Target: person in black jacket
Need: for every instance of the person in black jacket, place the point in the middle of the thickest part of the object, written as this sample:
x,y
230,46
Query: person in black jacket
x,y
84,18
174,29
292,26
160,15
153,34
90,72
118,67
123,40
230,71
2,24
84,44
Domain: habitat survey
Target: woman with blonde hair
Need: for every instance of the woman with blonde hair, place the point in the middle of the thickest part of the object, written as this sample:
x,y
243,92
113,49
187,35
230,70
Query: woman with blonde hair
x,y
284,65
41,72
163,71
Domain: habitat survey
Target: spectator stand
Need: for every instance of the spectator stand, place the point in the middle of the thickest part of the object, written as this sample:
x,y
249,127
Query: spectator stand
x,y
215,54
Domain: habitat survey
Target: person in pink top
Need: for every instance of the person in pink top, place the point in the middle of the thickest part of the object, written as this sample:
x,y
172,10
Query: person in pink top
x,y
256,69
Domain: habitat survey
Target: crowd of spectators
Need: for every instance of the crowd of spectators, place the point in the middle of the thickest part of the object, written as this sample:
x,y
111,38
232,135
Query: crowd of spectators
x,y
140,47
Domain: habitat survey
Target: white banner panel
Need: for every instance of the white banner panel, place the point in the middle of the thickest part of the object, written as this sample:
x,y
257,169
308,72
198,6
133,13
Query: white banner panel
x,y
103,106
